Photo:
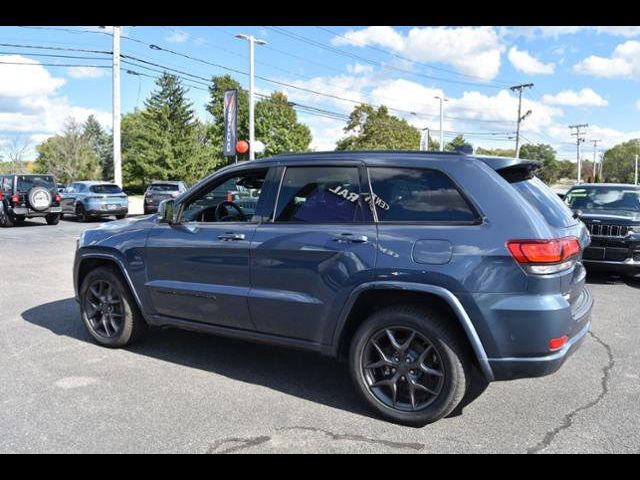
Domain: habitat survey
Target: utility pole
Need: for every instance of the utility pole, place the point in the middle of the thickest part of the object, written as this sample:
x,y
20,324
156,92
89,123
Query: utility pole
x,y
579,139
252,42
442,100
424,140
117,159
521,117
595,163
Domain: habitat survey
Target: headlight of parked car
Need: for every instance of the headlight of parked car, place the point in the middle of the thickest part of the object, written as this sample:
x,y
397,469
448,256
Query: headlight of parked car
x,y
634,229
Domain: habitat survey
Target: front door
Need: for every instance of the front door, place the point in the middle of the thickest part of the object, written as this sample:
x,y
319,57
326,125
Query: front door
x,y
320,244
198,269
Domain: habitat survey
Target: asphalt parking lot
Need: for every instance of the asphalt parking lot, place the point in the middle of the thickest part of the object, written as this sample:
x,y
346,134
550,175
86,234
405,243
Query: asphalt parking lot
x,y
184,392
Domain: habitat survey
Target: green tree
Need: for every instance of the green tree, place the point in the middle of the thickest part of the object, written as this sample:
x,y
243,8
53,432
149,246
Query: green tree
x,y
68,156
101,143
278,128
545,154
458,143
164,141
619,162
496,152
372,129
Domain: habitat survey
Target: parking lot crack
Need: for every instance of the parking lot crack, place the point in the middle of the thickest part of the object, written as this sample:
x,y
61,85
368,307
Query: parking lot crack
x,y
567,420
359,438
236,444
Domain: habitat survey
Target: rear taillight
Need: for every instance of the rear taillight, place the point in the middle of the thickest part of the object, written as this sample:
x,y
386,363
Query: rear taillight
x,y
1,195
545,256
57,198
15,199
558,343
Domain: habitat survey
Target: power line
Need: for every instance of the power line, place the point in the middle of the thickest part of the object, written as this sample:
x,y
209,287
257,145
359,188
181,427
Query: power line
x,y
44,47
53,55
54,64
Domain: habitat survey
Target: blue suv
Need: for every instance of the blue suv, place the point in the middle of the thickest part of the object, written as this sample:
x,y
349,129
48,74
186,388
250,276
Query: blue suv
x,y
427,272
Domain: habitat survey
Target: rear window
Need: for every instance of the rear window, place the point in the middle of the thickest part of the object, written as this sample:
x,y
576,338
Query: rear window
x,y
163,188
27,182
548,204
105,189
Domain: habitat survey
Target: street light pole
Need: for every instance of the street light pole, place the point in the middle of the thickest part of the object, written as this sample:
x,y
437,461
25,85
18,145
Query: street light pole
x,y
442,100
252,42
424,141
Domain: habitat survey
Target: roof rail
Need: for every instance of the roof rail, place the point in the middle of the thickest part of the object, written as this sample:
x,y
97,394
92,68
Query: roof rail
x,y
380,152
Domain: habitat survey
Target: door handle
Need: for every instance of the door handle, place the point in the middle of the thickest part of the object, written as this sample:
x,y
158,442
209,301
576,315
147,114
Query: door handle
x,y
350,238
230,236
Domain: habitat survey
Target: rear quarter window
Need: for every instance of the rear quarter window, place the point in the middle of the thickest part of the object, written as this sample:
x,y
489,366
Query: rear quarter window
x,y
418,195
542,199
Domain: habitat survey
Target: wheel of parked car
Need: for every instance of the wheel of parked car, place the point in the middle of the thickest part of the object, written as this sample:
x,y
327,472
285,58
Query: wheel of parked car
x,y
53,218
81,213
39,198
108,309
409,364
5,220
120,217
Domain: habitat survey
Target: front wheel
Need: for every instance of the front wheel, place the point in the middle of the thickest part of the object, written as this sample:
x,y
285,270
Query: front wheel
x,y
121,217
53,219
410,364
108,309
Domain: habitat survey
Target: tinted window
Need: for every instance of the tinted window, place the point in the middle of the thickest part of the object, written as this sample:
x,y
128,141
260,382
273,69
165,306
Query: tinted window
x,y
322,195
27,182
604,198
105,189
163,188
7,184
542,198
417,195
203,207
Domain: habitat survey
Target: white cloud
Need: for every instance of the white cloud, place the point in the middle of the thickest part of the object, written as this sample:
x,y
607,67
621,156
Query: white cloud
x,y
86,72
584,98
623,63
359,68
527,63
471,50
177,36
556,31
30,105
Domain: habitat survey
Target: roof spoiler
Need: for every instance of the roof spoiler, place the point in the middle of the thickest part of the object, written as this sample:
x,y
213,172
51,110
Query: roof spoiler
x,y
512,169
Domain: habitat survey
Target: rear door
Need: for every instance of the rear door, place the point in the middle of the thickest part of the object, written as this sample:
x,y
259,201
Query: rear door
x,y
320,244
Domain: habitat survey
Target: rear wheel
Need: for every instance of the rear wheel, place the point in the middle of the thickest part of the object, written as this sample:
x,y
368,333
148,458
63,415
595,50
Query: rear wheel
x,y
81,213
5,220
120,217
53,218
410,365
108,309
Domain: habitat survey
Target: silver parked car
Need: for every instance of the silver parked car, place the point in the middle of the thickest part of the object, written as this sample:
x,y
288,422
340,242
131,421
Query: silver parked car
x,y
159,191
94,199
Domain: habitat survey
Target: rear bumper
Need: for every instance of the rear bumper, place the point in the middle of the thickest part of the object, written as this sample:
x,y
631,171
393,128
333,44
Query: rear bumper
x,y
511,368
627,266
27,212
95,212
151,208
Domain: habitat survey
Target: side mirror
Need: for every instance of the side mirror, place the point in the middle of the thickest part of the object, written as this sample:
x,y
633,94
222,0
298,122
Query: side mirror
x,y
167,211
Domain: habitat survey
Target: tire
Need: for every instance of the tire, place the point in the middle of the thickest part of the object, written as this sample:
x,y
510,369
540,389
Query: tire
x,y
39,199
81,214
446,359
53,218
120,217
129,328
5,220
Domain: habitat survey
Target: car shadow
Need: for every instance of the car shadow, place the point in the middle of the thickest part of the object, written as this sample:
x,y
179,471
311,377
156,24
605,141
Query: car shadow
x,y
69,217
305,375
605,278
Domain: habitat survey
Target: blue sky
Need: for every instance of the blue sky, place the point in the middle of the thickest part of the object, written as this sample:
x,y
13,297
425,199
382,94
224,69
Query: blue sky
x,y
581,75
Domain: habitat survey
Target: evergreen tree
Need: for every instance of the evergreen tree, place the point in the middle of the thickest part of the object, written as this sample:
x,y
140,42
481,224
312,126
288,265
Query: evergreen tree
x,y
102,145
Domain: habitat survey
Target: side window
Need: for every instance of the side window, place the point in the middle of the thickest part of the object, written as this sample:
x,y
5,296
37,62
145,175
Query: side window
x,y
322,195
417,195
6,184
234,199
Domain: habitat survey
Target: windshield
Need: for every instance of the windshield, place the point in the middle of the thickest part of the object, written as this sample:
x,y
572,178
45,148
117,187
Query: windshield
x,y
27,182
105,189
163,188
604,198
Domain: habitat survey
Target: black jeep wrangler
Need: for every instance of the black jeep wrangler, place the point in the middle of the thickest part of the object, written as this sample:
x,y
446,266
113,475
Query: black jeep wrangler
x,y
28,196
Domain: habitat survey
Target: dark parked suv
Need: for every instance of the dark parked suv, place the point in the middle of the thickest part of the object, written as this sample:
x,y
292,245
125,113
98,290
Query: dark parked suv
x,y
611,213
160,191
427,271
28,196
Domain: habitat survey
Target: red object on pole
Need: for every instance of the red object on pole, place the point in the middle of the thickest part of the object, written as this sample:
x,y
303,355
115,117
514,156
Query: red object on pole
x,y
242,146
